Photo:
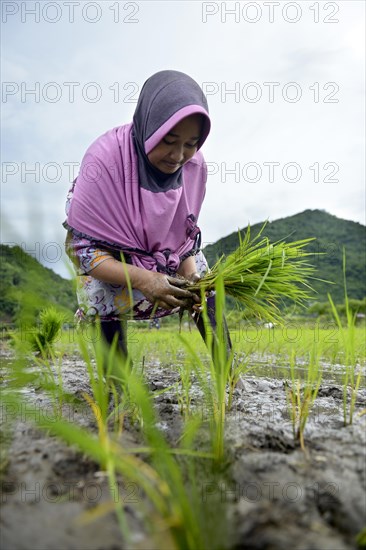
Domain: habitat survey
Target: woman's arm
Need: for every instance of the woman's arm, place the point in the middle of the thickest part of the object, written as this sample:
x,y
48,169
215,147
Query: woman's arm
x,y
158,288
188,269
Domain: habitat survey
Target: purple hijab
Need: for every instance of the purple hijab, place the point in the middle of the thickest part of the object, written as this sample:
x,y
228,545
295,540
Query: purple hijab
x,y
121,201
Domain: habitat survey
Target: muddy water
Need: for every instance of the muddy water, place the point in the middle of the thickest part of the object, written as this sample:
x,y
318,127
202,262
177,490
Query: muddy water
x,y
277,497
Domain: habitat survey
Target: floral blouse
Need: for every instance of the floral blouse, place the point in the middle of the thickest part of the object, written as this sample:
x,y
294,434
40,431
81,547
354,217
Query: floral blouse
x,y
105,300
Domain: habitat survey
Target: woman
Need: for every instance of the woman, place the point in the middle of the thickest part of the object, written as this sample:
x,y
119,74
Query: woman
x,y
139,192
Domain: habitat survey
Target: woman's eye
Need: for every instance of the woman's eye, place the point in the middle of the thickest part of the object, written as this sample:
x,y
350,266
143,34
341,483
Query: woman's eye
x,y
190,145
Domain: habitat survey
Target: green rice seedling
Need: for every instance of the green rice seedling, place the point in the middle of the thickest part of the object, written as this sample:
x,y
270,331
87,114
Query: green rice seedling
x,y
120,408
109,464
42,340
183,393
259,275
214,379
279,342
96,376
44,366
255,343
51,378
351,378
302,394
180,400
238,368
108,378
174,502
170,494
361,539
39,338
190,513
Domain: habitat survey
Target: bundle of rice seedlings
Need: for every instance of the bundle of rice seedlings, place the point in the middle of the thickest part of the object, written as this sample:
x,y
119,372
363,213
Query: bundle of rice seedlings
x,y
44,337
259,275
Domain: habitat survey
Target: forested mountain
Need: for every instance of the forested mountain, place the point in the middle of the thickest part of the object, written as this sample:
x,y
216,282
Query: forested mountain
x,y
332,234
27,286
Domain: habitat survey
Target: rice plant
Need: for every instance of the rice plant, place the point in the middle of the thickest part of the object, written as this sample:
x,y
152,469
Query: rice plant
x,y
183,393
260,274
50,368
188,514
240,365
301,396
351,378
43,338
214,379
47,360
361,539
168,478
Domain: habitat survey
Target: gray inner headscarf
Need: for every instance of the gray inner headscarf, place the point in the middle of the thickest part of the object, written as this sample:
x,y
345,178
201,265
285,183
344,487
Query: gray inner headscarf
x,y
162,95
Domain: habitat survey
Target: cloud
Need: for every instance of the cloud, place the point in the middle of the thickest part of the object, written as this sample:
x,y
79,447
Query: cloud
x,y
238,60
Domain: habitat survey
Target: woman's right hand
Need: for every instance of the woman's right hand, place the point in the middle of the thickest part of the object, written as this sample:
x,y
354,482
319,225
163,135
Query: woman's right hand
x,y
164,291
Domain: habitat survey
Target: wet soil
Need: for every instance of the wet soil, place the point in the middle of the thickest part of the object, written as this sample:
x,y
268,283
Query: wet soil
x,y
278,497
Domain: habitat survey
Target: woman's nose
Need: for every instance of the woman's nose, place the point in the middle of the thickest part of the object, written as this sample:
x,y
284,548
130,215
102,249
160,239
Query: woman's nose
x,y
177,154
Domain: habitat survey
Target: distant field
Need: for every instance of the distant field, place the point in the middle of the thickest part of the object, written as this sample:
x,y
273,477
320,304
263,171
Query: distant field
x,y
254,343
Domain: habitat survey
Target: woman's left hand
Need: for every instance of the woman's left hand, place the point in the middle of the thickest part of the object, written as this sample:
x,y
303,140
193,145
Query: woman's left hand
x,y
193,278
187,270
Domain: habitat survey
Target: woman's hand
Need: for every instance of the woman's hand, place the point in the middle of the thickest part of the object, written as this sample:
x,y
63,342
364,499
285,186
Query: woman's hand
x,y
196,306
194,277
165,291
188,270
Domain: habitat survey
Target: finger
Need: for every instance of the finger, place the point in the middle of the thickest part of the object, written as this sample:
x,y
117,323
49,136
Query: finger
x,y
181,282
195,277
164,305
186,305
175,302
171,302
192,295
181,293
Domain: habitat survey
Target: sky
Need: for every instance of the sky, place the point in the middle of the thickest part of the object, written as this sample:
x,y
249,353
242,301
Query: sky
x,y
285,84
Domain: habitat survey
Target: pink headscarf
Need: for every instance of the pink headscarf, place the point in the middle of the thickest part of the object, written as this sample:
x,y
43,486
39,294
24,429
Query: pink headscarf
x,y
121,201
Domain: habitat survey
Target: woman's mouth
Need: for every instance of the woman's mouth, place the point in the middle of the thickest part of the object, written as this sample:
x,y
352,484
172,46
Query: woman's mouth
x,y
172,164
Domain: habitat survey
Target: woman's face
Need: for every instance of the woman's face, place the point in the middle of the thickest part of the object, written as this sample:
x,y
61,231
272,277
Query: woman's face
x,y
178,146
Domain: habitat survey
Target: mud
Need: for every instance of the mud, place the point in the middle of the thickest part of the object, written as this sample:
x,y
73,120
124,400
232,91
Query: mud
x,y
277,496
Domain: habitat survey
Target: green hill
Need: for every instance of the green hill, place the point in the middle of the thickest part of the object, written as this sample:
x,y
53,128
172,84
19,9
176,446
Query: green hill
x,y
27,287
332,234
